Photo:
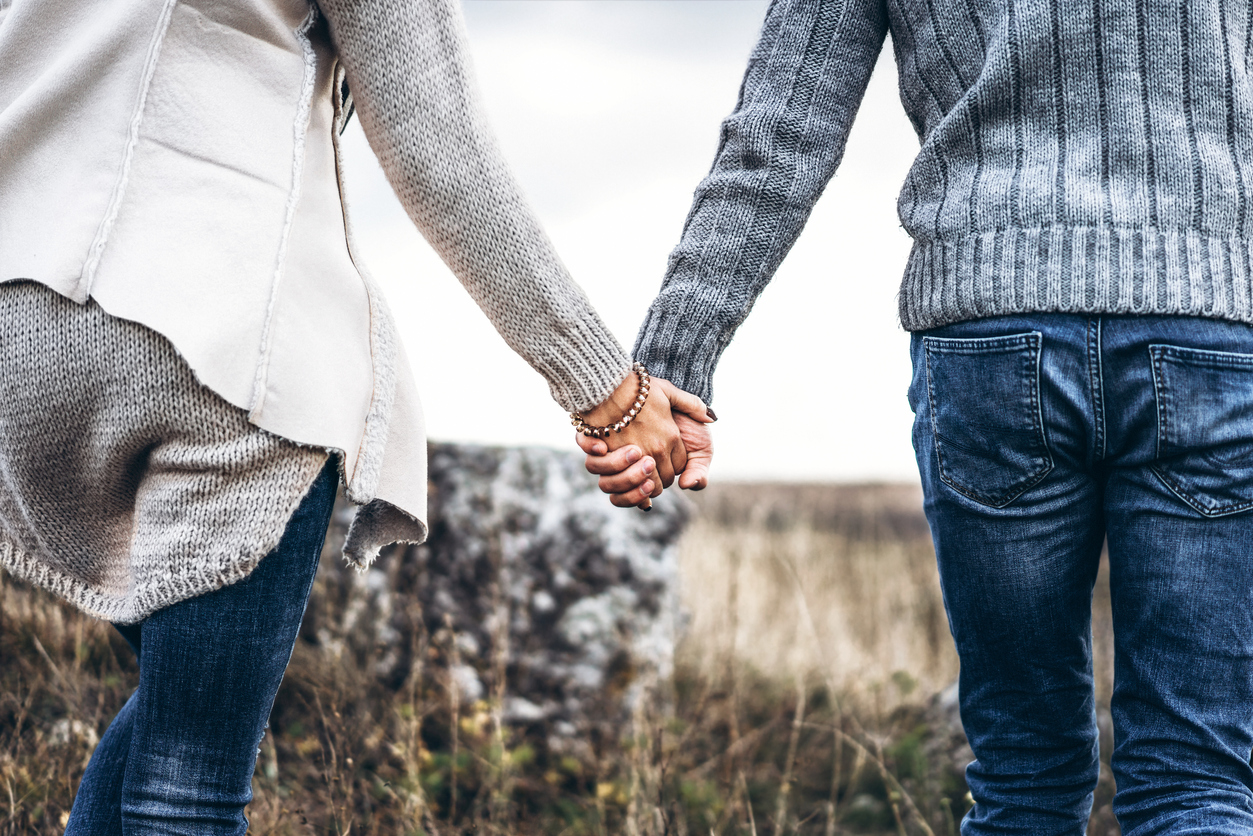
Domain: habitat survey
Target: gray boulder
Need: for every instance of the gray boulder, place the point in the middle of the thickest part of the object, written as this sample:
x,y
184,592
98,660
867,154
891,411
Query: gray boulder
x,y
532,595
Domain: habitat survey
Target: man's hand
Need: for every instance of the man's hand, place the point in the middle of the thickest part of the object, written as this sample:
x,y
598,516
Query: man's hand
x,y
699,444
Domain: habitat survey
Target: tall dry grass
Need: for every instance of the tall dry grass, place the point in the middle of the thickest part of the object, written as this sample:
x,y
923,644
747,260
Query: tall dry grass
x,y
803,701
836,586
828,582
62,677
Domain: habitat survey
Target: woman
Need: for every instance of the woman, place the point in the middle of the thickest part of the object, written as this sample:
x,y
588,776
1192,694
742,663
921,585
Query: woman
x,y
1080,294
192,360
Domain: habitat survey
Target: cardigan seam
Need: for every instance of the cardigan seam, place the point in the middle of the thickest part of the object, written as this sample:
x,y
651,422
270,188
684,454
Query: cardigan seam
x,y
377,419
300,128
96,251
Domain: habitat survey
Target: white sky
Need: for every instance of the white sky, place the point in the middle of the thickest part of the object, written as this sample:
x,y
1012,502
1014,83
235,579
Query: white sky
x,y
609,111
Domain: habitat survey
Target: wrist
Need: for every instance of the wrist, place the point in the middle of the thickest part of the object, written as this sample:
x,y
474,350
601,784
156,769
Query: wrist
x,y
620,408
614,406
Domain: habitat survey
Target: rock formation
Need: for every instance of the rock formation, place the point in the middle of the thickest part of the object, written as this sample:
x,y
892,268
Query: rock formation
x,y
532,594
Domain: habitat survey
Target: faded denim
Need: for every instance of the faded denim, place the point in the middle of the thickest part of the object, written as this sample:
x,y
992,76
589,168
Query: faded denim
x,y
1038,437
179,756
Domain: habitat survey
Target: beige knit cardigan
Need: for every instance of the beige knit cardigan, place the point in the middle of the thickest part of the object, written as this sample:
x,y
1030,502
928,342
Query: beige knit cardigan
x,y
176,162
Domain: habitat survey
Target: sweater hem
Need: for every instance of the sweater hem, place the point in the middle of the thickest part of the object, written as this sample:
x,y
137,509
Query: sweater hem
x,y
143,600
1087,269
128,609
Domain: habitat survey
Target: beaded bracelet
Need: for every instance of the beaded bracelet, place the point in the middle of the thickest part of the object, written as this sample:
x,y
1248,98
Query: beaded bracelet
x,y
622,423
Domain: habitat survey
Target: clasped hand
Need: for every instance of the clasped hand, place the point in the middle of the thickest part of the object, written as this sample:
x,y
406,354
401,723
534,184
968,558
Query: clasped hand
x,y
668,439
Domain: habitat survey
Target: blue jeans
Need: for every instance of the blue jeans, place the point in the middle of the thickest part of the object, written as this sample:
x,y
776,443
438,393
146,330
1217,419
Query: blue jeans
x,y
179,756
1039,437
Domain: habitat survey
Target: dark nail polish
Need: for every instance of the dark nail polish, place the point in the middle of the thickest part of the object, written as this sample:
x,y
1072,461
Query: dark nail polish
x,y
710,412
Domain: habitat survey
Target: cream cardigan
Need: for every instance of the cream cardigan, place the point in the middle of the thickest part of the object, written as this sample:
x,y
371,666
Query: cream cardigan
x,y
177,162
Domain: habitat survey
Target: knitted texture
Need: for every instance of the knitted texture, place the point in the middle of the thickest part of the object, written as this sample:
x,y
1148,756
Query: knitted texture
x,y
128,486
1084,156
409,71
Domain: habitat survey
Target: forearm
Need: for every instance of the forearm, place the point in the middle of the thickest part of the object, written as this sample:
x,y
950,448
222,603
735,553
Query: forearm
x,y
777,151
409,69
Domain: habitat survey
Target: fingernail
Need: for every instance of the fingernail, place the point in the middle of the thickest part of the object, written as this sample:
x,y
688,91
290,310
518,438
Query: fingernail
x,y
649,466
633,455
648,507
713,416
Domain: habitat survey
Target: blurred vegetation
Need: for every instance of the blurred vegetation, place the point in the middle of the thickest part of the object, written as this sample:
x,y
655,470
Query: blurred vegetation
x,y
793,707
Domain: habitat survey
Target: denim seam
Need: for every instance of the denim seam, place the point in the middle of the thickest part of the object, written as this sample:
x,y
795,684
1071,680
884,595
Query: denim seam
x,y
1159,392
1037,339
978,345
1031,341
1181,492
1096,376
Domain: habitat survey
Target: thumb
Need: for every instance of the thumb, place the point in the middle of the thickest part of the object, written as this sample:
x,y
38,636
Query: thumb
x,y
700,452
591,446
684,402
695,476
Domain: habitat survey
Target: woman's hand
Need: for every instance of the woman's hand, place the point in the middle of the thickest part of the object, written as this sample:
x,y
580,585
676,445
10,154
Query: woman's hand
x,y
625,474
667,438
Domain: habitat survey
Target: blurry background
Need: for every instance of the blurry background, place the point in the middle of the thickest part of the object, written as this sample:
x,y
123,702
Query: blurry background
x,y
609,112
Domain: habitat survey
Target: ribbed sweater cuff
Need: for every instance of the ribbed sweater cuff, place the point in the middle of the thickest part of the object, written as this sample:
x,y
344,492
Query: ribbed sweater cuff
x,y
584,369
675,347
1097,270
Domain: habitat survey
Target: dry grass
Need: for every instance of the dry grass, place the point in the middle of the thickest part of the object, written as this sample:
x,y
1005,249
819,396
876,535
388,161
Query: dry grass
x,y
836,584
830,582
801,703
62,677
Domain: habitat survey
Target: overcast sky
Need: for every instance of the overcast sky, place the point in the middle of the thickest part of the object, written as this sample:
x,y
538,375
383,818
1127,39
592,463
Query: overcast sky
x,y
608,111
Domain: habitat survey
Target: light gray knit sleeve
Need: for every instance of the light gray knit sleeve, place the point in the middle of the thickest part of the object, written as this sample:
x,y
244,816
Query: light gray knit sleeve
x,y
409,70
778,149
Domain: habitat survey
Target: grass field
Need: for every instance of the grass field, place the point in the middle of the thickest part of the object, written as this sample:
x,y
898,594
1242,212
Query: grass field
x,y
806,698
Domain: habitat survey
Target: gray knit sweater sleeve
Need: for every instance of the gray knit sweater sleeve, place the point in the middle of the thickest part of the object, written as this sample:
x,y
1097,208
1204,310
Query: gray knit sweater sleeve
x,y
409,70
1073,159
778,149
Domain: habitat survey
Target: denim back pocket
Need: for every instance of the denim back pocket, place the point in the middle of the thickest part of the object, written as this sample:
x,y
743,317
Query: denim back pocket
x,y
1205,427
984,396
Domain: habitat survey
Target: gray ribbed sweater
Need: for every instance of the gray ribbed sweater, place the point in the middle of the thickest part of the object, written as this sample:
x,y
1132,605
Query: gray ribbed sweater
x,y
1089,156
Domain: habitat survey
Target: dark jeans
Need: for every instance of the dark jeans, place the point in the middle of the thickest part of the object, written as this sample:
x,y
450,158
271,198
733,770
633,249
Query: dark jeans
x,y
179,756
1038,437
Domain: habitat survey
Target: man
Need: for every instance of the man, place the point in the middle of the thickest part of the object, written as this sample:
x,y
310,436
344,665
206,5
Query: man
x,y
1080,292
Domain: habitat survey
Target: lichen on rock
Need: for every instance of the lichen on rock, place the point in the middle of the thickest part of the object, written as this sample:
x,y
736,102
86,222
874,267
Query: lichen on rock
x,y
532,591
